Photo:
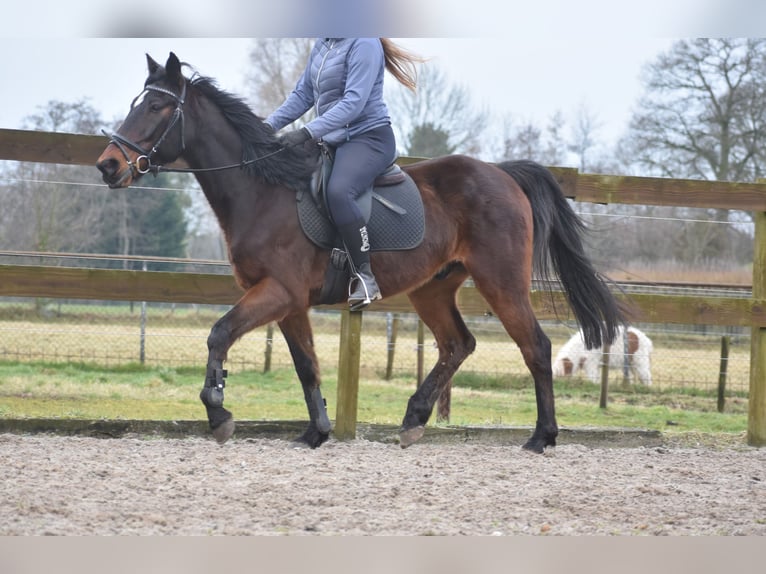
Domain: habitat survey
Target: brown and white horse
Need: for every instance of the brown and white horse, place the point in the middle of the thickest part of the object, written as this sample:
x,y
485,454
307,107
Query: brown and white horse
x,y
632,349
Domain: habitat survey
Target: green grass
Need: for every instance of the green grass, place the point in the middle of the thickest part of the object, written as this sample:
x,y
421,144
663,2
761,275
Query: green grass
x,y
51,390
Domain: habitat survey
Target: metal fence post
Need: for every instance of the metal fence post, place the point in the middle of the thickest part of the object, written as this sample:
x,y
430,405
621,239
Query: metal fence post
x,y
420,352
722,372
602,401
142,343
392,329
269,348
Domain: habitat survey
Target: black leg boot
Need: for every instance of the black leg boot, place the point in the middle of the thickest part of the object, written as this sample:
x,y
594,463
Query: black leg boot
x,y
363,289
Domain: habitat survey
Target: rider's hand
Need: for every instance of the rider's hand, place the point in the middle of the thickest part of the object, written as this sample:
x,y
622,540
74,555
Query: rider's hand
x,y
296,138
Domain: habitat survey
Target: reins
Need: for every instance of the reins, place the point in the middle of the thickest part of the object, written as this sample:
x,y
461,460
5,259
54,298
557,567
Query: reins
x,y
143,163
155,169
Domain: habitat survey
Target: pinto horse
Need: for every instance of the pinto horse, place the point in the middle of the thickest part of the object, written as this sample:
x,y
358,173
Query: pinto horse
x,y
492,222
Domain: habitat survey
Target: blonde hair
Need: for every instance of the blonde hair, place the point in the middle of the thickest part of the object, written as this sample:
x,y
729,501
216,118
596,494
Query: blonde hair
x,y
401,63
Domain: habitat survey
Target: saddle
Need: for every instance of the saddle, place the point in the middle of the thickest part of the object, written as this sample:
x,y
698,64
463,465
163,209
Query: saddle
x,y
392,210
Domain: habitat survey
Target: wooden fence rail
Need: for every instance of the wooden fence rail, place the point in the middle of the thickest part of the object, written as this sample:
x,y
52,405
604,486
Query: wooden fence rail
x,y
59,282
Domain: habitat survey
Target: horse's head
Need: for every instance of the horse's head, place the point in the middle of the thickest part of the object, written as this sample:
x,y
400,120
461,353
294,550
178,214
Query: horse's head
x,y
153,132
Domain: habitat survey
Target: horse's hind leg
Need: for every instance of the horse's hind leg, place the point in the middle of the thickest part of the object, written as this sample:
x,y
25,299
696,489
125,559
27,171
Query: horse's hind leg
x,y
296,329
535,347
513,307
435,303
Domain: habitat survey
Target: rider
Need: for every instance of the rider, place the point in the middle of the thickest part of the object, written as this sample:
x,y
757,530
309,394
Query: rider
x,y
343,82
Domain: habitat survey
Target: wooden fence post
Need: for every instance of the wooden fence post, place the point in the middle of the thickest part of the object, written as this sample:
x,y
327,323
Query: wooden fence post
x,y
348,374
756,419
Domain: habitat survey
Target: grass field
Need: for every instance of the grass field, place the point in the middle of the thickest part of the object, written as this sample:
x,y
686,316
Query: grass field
x,y
177,338
82,362
40,390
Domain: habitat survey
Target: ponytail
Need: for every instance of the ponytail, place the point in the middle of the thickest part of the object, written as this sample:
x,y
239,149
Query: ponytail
x,y
401,63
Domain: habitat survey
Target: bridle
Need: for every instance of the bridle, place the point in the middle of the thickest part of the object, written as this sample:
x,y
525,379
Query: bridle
x,y
143,163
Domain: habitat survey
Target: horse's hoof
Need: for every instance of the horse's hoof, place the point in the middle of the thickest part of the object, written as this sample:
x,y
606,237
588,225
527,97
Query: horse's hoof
x,y
223,432
534,446
540,446
411,436
310,439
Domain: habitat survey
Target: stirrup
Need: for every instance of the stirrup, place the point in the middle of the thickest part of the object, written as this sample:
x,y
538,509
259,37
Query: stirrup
x,y
361,297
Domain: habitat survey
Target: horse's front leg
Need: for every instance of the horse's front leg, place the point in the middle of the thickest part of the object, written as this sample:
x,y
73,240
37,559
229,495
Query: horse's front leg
x,y
267,301
296,329
221,420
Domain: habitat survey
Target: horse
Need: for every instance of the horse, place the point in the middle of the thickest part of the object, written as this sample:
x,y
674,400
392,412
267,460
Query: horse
x,y
632,352
492,222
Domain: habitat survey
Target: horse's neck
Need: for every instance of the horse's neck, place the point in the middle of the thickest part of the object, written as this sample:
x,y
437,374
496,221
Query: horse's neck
x,y
214,145
222,187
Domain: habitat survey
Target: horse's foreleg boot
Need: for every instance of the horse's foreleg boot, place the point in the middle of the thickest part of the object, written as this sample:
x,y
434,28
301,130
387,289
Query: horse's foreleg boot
x,y
323,421
212,393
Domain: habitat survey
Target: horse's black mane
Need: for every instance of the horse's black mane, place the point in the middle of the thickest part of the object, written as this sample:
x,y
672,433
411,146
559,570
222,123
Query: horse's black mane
x,y
291,167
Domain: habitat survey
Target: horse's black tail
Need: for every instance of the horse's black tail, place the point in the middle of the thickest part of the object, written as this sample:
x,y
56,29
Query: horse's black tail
x,y
558,242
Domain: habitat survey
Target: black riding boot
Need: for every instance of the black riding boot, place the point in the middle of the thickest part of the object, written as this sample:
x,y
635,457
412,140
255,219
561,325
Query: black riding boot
x,y
362,289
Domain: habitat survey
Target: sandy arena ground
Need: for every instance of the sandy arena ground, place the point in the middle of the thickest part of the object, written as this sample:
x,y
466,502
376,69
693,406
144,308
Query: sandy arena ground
x,y
57,485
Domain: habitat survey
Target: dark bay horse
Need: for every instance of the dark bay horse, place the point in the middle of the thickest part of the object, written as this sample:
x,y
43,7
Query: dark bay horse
x,y
490,222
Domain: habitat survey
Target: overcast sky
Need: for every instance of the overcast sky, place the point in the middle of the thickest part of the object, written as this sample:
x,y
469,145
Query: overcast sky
x,y
528,79
528,59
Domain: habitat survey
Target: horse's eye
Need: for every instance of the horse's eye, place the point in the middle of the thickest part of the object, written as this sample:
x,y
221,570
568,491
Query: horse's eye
x,y
155,107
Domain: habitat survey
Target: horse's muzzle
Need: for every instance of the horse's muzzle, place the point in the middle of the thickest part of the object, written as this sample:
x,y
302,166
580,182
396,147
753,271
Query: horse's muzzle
x,y
111,173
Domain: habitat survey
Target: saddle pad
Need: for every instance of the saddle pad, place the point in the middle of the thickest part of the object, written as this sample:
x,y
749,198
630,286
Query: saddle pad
x,y
400,228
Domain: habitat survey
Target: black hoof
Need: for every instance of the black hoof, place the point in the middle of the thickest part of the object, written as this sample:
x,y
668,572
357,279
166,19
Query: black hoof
x,y
312,438
535,446
223,431
221,423
539,441
310,442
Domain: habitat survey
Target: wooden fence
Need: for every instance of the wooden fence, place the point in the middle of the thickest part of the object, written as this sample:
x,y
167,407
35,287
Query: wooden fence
x,y
103,284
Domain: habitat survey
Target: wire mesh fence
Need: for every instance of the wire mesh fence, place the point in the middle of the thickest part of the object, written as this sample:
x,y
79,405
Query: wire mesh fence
x,y
116,333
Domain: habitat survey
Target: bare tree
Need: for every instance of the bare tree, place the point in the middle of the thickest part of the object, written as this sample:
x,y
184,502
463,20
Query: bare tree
x,y
277,63
44,208
51,207
584,133
527,140
593,155
439,106
703,114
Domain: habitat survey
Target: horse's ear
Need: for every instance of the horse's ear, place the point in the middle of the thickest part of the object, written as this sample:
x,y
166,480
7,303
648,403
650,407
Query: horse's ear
x,y
152,65
173,69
